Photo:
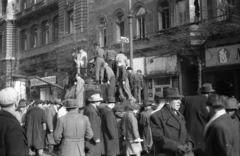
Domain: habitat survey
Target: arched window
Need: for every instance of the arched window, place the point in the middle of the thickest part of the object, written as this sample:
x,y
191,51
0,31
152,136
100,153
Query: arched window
x,y
140,22
55,28
119,26
34,36
45,32
102,32
163,15
23,40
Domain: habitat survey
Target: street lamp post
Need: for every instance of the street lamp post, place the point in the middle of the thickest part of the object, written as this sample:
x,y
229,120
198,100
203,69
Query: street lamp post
x,y
130,17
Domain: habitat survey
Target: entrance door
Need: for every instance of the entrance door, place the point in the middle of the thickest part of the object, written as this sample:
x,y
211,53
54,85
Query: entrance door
x,y
162,83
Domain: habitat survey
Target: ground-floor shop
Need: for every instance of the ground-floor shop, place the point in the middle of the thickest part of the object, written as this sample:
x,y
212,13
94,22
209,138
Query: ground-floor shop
x,y
223,69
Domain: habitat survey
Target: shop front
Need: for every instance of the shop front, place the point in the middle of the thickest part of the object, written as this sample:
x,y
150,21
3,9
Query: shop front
x,y
161,73
42,90
223,69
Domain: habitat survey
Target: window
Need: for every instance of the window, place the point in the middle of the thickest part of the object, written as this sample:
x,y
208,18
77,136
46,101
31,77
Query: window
x,y
140,23
45,33
163,15
69,29
23,40
119,26
1,44
24,4
34,1
225,8
180,13
102,32
55,28
33,36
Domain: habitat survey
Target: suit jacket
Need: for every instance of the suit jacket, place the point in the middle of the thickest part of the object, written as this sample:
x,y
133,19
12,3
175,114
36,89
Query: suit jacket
x,y
94,117
13,140
110,132
35,118
70,132
195,113
111,55
51,124
222,137
168,131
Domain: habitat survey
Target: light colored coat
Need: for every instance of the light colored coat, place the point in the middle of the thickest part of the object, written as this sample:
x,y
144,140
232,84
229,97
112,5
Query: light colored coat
x,y
71,130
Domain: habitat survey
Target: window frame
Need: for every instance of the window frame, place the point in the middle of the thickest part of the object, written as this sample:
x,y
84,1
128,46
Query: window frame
x,y
34,36
102,32
55,28
166,10
140,23
45,32
120,26
23,40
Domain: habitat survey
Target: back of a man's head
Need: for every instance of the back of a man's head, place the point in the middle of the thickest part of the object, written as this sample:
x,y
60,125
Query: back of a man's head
x,y
8,97
215,101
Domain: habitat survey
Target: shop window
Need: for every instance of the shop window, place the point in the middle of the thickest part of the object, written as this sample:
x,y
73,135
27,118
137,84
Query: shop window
x,y
163,15
55,28
163,81
23,40
69,22
102,32
140,23
34,36
45,32
119,26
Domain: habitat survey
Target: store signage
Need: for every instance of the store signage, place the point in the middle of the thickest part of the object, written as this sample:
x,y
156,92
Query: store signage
x,y
36,82
223,55
161,65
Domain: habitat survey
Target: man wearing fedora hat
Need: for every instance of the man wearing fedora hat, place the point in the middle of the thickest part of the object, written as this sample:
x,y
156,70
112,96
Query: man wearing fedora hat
x,y
52,116
195,113
13,140
221,133
91,111
170,135
110,129
21,111
71,130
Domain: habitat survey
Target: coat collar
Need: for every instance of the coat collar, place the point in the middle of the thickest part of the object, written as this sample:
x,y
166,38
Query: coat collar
x,y
7,114
214,122
93,108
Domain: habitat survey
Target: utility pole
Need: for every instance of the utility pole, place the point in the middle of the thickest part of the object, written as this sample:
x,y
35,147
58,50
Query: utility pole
x,y
130,17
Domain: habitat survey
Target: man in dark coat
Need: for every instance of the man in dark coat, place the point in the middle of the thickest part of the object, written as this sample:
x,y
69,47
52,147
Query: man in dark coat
x,y
91,111
221,134
35,118
110,129
145,125
13,141
51,124
168,126
195,112
111,80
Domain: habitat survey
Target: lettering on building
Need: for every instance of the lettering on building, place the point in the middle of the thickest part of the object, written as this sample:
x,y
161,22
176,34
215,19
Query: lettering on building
x,y
36,82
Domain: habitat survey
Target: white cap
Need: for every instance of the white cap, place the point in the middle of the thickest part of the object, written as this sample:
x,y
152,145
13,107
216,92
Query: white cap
x,y
8,96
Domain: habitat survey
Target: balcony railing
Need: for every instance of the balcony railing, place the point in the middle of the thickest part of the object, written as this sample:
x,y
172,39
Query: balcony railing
x,y
35,7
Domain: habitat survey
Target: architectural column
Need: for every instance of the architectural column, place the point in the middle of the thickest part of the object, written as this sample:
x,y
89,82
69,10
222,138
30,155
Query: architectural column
x,y
50,37
39,35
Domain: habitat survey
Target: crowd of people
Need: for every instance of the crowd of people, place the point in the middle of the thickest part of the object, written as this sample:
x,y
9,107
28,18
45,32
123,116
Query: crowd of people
x,y
203,125
84,123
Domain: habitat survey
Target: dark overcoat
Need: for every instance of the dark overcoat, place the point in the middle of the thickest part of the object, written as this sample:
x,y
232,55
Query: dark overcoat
x,y
71,130
13,140
35,118
222,137
51,124
195,113
96,149
168,131
110,132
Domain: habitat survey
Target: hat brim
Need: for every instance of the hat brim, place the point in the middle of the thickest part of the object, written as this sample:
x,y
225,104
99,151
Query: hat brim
x,y
174,97
98,100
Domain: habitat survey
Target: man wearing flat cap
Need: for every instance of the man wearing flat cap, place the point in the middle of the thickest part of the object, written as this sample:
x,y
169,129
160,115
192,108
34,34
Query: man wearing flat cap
x,y
221,134
110,129
168,125
13,140
195,113
72,129
95,145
